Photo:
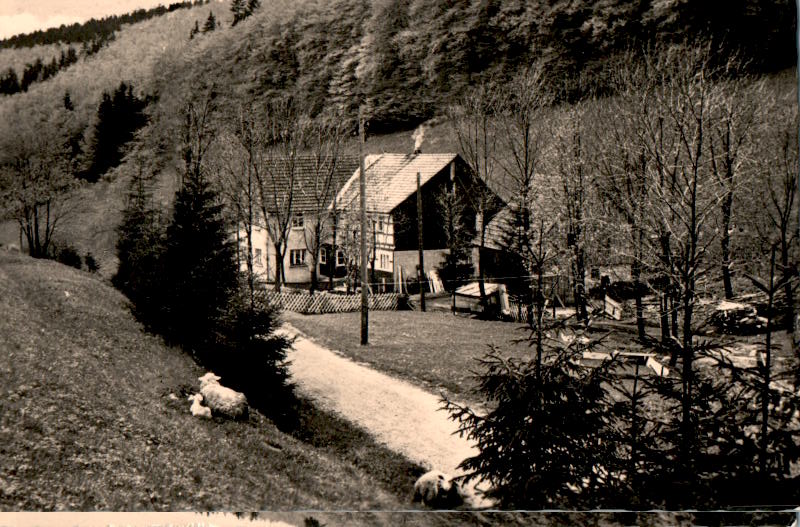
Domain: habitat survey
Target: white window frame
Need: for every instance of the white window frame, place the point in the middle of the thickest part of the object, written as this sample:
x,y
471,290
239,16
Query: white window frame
x,y
340,260
323,256
294,261
257,257
297,221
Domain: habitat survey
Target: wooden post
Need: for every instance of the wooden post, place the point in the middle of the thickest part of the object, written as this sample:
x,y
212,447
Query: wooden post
x,y
421,251
363,185
332,263
374,253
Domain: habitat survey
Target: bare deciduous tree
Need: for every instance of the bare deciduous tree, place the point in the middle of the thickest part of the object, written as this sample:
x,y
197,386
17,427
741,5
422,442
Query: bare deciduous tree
x,y
324,141
523,131
570,167
778,227
35,179
276,174
732,123
620,162
684,194
473,122
235,160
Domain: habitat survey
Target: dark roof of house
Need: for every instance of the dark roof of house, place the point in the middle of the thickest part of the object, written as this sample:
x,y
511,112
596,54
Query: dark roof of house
x,y
391,178
310,180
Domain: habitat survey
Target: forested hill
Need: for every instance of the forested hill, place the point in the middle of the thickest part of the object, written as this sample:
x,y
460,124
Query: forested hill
x,y
406,59
91,30
409,57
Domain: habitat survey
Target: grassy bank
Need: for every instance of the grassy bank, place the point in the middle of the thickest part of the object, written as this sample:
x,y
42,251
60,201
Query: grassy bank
x,y
93,415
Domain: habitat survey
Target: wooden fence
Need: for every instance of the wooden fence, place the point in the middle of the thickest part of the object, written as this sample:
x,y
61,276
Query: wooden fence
x,y
324,302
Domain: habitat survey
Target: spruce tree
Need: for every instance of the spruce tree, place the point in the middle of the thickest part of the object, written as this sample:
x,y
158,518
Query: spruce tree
x,y
68,102
199,266
139,246
211,23
252,7
119,115
238,9
546,441
9,83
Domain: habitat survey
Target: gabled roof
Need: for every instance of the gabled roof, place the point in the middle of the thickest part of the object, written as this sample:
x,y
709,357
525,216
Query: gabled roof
x,y
308,184
391,178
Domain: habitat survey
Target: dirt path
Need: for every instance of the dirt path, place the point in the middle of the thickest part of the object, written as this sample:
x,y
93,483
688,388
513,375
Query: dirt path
x,y
400,415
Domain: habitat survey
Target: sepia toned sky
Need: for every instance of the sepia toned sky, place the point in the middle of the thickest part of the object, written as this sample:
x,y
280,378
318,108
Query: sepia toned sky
x,y
24,16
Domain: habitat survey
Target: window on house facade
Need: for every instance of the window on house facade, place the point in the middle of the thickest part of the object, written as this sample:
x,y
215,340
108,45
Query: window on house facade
x,y
257,258
323,256
297,221
297,257
384,261
340,258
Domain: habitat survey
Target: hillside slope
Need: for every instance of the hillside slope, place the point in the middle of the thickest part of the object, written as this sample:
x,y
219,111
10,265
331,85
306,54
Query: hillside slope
x,y
408,58
87,421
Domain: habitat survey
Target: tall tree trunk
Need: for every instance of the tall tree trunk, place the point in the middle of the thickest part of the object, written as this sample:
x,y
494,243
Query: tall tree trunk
x,y
580,285
314,278
481,272
251,282
334,260
636,273
665,295
278,266
788,288
37,245
687,383
539,303
675,302
765,394
315,257
725,242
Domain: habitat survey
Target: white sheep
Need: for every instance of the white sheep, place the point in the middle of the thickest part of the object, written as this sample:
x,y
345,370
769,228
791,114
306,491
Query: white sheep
x,y
197,408
220,399
437,489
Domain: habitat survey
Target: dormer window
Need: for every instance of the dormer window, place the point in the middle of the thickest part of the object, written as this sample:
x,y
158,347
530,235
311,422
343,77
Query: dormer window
x,y
297,221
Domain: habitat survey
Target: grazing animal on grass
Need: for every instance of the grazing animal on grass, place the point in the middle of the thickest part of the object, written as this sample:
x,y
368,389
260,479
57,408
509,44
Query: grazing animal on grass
x,y
222,400
438,490
197,408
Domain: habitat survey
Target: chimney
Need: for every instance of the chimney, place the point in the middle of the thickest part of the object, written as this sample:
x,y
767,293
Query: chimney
x,y
418,136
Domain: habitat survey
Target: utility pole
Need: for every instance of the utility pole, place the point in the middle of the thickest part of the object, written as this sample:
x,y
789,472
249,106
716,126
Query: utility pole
x,y
363,184
422,280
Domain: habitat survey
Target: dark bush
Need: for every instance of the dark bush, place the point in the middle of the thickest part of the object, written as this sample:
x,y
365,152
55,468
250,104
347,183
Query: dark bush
x,y
91,263
67,255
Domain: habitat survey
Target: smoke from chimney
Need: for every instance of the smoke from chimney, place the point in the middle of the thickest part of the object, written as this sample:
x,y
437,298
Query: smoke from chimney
x,y
418,136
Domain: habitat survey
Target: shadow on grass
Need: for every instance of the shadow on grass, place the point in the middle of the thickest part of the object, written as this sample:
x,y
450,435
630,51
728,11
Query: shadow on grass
x,y
335,435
